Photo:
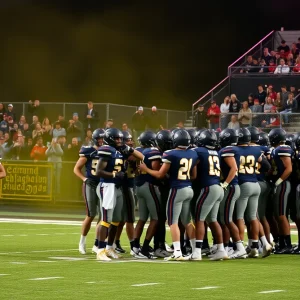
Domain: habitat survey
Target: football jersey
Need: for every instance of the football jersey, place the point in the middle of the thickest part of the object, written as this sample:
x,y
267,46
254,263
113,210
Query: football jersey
x,y
260,172
150,154
115,163
277,164
249,156
229,151
182,162
91,154
130,167
208,169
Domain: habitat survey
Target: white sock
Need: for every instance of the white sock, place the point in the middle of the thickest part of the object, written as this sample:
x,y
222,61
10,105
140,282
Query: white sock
x,y
109,247
82,239
220,247
177,249
193,244
264,240
240,246
250,243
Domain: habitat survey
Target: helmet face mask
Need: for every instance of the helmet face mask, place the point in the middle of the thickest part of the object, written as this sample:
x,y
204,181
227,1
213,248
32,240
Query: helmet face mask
x,y
127,138
113,137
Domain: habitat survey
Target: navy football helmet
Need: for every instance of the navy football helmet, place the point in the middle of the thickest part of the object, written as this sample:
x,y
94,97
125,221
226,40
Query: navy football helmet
x,y
207,138
244,136
254,133
181,139
263,139
97,135
277,136
228,137
147,139
110,136
127,138
164,140
192,132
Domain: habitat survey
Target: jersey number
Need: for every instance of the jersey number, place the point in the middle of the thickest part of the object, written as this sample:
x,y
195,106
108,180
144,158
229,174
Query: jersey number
x,y
118,165
185,169
94,165
214,166
247,164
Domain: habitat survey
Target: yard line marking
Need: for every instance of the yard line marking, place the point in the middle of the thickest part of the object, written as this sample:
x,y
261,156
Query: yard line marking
x,y
23,235
45,278
4,274
42,234
59,233
206,288
91,282
67,258
146,284
272,291
18,263
47,261
54,250
7,235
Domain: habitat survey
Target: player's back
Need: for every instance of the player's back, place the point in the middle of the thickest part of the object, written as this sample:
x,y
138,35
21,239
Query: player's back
x,y
276,155
91,155
249,156
208,169
182,162
229,151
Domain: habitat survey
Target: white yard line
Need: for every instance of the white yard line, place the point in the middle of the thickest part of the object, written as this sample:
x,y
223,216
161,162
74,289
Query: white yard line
x,y
146,284
206,288
47,261
272,291
38,251
69,258
18,263
45,278
4,274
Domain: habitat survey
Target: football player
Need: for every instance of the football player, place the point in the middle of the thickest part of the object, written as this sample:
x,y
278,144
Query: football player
x,y
180,164
229,163
88,157
211,194
281,157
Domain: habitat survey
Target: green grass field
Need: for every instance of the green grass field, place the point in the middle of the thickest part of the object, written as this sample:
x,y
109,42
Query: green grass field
x,y
41,261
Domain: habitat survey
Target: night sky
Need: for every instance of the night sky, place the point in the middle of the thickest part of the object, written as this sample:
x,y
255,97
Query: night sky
x,y
163,53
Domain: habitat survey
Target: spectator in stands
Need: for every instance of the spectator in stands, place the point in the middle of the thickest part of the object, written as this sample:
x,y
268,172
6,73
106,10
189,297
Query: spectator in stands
x,y
38,151
10,123
255,66
298,44
296,68
26,132
109,124
138,122
263,67
35,120
91,117
295,51
235,104
2,111
26,150
224,108
63,122
18,147
10,112
72,152
278,103
248,66
37,132
2,141
154,122
271,93
245,115
268,106
233,124
200,117
4,124
125,128
256,113
213,115
261,94
250,100
75,128
284,94
272,65
266,56
283,47
88,138
34,108
289,106
274,119
21,122
290,58
47,130
180,125
282,68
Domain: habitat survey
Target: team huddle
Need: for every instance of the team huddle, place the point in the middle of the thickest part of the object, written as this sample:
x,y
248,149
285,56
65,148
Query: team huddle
x,y
194,180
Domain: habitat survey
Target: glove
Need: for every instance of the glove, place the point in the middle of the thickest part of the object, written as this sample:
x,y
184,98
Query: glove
x,y
93,184
125,149
224,185
119,175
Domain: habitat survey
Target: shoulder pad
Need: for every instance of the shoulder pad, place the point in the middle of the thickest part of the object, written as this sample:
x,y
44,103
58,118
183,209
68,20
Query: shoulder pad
x,y
86,151
106,151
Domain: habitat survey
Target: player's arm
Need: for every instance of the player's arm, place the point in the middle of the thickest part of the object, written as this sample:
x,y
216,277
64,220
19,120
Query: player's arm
x,y
2,171
194,173
137,154
287,162
159,174
265,165
230,161
100,169
78,167
155,164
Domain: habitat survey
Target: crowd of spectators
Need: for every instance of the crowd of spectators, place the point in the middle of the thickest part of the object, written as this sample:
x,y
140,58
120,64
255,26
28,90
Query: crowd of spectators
x,y
264,108
284,60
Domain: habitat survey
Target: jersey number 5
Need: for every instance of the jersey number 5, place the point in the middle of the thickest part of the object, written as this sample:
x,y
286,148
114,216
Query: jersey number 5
x,y
118,165
185,169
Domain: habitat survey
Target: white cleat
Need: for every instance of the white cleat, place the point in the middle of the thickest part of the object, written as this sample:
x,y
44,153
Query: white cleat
x,y
82,249
253,253
101,255
238,254
267,250
95,249
176,258
195,257
112,253
219,255
230,251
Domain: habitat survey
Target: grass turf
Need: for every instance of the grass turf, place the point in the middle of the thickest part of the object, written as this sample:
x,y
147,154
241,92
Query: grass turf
x,y
39,251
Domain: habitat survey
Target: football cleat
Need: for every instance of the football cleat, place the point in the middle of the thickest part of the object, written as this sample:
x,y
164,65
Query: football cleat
x,y
168,248
112,253
146,254
253,253
296,250
176,258
151,250
119,249
286,250
82,248
238,254
205,251
230,251
135,251
95,249
195,257
267,250
162,253
219,255
101,255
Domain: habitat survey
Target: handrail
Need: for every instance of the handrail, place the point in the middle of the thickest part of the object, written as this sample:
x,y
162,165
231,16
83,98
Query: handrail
x,y
242,56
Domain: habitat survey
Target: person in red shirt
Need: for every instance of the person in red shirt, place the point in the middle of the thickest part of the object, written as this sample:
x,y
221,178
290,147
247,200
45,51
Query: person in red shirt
x,y
213,115
271,93
38,151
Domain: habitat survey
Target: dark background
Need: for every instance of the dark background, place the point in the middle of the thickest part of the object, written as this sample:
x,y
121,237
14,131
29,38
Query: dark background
x,y
163,53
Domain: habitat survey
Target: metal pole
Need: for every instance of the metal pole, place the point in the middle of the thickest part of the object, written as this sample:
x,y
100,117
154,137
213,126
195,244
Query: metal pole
x,y
167,123
64,109
23,107
107,111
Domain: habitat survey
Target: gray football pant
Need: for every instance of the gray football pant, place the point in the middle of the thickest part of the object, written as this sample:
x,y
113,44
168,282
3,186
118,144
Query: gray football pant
x,y
149,201
91,200
114,214
265,190
179,205
128,205
208,203
281,198
227,204
247,203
